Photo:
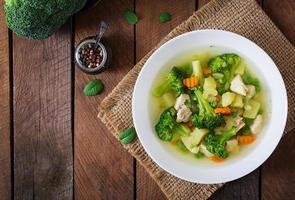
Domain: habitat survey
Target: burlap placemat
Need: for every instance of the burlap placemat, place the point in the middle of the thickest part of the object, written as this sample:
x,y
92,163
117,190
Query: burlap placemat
x,y
243,17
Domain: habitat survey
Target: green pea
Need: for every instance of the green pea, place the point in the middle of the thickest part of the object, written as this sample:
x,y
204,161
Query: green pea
x,y
234,114
213,103
221,80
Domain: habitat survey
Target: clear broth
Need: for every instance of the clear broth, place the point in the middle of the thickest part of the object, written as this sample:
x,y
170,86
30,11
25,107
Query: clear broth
x,y
202,54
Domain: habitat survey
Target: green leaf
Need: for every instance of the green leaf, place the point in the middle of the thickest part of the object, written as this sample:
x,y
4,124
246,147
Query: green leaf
x,y
127,136
93,88
165,17
213,103
131,17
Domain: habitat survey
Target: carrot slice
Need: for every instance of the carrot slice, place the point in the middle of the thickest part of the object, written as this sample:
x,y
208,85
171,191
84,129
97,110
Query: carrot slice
x,y
223,111
246,139
216,159
207,71
191,82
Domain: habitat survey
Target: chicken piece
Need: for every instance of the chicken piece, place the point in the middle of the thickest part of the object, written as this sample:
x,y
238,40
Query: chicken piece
x,y
239,122
256,126
251,91
180,101
183,114
237,85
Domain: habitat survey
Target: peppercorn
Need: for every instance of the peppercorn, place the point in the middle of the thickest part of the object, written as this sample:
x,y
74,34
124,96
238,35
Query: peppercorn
x,y
90,57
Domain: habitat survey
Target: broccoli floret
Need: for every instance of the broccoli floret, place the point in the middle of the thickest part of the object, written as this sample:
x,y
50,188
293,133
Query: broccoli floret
x,y
250,79
216,143
38,19
213,103
226,64
181,129
167,125
173,82
218,64
206,117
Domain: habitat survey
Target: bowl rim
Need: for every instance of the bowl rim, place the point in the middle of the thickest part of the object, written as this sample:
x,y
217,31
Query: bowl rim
x,y
256,163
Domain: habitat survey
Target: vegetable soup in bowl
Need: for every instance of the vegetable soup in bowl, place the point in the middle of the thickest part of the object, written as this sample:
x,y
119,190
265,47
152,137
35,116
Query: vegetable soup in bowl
x,y
203,106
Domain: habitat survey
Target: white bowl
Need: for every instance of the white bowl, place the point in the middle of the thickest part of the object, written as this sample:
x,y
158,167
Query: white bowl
x,y
249,159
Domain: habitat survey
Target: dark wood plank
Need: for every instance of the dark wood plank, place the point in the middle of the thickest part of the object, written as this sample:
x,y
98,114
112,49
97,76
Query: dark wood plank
x,y
242,189
149,31
103,169
43,159
278,173
282,12
5,182
201,3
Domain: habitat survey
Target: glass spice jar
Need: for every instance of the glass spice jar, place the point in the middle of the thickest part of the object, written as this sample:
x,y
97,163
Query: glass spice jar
x,y
91,60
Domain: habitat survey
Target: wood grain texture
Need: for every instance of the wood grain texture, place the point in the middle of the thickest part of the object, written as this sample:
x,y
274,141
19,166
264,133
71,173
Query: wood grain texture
x,y
5,176
43,159
201,3
103,169
246,188
282,12
278,173
149,31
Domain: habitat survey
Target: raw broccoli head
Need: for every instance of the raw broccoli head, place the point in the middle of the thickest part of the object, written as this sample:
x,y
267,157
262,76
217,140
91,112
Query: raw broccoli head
x,y
38,19
173,82
226,64
216,144
167,125
206,117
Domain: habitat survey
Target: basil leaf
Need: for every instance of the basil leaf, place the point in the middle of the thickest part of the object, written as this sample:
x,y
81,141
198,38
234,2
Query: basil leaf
x,y
165,17
131,17
128,135
93,88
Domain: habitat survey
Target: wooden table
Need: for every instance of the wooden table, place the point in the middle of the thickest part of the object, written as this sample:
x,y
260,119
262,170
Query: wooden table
x,y
52,146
